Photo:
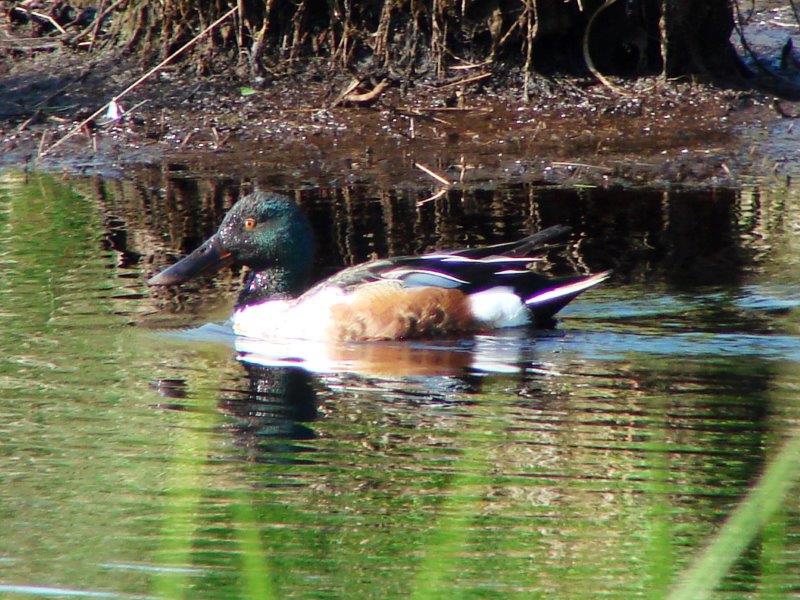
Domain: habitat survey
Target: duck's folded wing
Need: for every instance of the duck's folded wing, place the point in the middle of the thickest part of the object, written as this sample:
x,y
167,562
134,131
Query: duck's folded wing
x,y
464,273
469,270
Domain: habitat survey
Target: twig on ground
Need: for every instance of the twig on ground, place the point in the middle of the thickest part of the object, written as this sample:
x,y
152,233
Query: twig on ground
x,y
436,196
346,91
469,66
453,109
41,144
136,83
22,126
464,81
440,178
43,17
96,28
366,98
186,140
577,164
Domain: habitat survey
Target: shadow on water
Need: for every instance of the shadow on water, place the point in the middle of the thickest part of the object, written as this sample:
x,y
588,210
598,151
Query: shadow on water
x,y
599,457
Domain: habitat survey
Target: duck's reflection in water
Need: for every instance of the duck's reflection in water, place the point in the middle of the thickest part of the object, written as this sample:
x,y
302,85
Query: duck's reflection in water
x,y
500,353
273,412
272,407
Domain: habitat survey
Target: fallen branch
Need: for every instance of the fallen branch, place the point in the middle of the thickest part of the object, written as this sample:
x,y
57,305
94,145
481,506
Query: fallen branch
x,y
136,83
96,30
481,109
351,87
440,178
469,66
43,17
436,196
366,98
411,113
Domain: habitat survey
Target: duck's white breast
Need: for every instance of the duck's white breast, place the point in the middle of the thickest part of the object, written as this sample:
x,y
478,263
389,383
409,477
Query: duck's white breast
x,y
307,319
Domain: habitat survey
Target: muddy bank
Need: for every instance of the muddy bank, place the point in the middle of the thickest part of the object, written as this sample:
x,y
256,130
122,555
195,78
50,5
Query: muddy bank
x,y
288,131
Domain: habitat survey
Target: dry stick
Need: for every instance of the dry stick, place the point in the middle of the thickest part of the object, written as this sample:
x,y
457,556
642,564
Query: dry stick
x,y
186,140
578,164
98,19
419,111
440,178
469,66
42,16
367,97
349,89
413,112
588,58
531,13
240,33
41,144
779,24
96,29
464,81
136,83
436,196
513,27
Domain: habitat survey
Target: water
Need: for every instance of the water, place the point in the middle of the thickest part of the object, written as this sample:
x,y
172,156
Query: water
x,y
141,459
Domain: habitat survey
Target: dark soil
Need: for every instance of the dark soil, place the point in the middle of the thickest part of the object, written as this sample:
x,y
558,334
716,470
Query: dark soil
x,y
289,131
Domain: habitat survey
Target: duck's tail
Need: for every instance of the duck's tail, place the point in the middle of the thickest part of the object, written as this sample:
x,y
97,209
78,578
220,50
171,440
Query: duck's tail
x,y
547,302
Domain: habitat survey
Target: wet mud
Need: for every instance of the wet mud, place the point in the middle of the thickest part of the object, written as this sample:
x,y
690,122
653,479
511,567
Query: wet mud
x,y
288,133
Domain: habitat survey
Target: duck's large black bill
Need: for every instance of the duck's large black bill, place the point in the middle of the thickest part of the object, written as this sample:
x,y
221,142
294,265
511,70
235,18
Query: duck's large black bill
x,y
208,258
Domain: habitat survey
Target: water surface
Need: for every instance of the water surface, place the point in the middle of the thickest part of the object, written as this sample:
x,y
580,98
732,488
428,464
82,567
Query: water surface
x,y
142,456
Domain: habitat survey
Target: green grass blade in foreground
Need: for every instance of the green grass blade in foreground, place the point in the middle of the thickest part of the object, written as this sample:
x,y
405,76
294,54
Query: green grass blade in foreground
x,y
184,495
256,573
741,528
458,509
659,551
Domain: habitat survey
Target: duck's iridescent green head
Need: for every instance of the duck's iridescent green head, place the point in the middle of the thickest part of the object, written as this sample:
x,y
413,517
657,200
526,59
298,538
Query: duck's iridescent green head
x,y
263,231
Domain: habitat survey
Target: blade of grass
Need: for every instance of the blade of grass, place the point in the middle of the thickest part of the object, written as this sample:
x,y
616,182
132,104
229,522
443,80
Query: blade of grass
x,y
741,528
450,537
182,512
461,505
256,573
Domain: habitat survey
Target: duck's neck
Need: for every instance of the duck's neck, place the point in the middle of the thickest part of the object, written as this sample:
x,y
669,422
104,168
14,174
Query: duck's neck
x,y
270,284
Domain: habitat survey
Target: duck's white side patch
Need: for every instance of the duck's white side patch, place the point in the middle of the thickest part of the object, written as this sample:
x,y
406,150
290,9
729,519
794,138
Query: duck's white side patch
x,y
498,307
307,318
569,289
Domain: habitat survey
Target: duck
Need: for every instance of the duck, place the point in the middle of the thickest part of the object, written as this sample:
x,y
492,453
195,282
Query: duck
x,y
439,294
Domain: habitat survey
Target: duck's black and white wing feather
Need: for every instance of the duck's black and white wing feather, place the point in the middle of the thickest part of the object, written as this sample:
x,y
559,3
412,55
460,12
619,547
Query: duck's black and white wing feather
x,y
451,268
498,273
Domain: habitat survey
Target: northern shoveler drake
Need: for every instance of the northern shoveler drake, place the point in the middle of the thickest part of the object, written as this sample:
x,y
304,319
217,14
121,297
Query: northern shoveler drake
x,y
438,294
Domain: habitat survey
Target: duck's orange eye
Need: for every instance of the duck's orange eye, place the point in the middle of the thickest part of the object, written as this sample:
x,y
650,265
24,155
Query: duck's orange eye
x,y
250,224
